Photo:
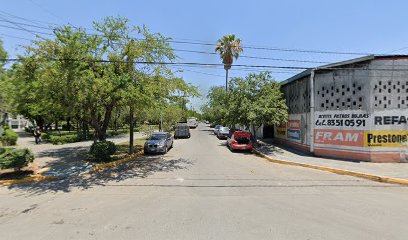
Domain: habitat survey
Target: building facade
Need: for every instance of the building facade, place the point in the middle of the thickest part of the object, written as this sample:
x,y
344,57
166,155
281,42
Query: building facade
x,y
14,122
356,109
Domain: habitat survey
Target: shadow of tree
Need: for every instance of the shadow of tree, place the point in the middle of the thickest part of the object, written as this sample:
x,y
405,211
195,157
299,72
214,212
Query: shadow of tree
x,y
268,149
142,167
65,161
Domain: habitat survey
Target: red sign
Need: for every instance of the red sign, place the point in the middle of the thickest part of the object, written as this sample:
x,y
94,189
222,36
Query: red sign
x,y
294,124
339,137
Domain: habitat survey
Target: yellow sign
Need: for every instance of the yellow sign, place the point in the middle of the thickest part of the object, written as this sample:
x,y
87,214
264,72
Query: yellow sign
x,y
385,138
281,131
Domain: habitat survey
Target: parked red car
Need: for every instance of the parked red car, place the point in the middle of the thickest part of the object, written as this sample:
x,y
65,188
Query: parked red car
x,y
240,140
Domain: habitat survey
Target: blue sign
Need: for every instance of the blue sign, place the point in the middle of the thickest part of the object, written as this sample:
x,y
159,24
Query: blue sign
x,y
294,134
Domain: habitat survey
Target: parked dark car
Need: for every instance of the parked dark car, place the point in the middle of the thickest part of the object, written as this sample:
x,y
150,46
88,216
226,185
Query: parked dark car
x,y
159,142
223,133
182,131
240,140
212,125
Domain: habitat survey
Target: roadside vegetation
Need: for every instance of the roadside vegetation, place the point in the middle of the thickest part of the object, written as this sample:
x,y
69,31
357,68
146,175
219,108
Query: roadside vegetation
x,y
8,137
95,82
249,102
82,84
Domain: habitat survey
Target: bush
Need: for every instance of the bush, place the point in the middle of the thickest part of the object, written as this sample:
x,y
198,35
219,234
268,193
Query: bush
x,y
57,140
15,158
9,137
112,133
102,151
45,136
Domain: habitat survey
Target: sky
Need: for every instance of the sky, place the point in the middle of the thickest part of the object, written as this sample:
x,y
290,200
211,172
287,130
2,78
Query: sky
x,y
283,27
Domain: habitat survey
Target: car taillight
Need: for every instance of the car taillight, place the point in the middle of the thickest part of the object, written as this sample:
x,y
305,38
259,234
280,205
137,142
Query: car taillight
x,y
234,141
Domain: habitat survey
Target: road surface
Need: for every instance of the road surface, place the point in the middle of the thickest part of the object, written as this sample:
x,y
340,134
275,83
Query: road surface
x,y
201,190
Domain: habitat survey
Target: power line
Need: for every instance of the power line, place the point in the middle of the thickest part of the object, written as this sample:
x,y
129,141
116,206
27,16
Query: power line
x,y
11,36
25,30
253,57
209,64
185,50
45,9
26,19
255,47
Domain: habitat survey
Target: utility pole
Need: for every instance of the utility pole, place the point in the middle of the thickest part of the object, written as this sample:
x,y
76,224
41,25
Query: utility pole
x,y
312,109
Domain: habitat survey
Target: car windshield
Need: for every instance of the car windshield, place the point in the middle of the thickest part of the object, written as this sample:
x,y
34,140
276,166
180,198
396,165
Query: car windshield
x,y
224,129
158,137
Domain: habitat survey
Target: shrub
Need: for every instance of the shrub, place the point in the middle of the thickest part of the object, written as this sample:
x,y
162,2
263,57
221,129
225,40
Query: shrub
x,y
9,137
102,151
56,140
15,158
45,136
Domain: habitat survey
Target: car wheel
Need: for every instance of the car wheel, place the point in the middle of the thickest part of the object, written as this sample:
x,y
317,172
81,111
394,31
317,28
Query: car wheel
x,y
188,136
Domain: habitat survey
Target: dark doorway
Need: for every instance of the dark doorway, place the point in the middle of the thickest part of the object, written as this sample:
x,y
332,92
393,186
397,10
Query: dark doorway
x,y
268,131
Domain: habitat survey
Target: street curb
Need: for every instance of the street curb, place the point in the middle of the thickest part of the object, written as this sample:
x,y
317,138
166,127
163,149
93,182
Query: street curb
x,y
114,163
338,171
27,180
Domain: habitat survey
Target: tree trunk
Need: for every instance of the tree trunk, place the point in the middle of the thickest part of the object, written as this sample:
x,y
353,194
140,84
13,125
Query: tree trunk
x,y
131,126
226,80
40,122
105,123
69,123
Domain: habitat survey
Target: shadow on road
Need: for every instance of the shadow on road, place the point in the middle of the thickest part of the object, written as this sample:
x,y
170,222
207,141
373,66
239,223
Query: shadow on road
x,y
206,130
138,168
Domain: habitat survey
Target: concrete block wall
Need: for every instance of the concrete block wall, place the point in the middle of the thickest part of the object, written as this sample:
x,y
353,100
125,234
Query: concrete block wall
x,y
361,111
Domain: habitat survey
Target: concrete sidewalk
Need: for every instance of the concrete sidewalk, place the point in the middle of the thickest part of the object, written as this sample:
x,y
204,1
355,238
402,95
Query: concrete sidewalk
x,y
67,159
392,170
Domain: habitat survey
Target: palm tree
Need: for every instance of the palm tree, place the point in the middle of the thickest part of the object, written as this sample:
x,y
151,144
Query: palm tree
x,y
229,48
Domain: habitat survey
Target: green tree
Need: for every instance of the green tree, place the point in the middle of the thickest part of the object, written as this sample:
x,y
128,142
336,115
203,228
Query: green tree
x,y
93,77
229,47
3,87
256,100
215,110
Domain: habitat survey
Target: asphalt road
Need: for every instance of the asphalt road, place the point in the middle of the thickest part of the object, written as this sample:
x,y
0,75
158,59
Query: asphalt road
x,y
201,190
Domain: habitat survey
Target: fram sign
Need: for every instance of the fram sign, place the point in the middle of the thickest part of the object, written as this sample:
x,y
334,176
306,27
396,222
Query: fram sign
x,y
339,137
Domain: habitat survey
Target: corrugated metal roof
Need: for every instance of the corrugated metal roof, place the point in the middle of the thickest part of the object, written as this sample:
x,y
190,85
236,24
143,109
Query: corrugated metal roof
x,y
339,64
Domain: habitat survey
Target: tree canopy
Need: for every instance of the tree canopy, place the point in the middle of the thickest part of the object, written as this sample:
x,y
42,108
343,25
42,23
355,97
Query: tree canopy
x,y
250,101
90,78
